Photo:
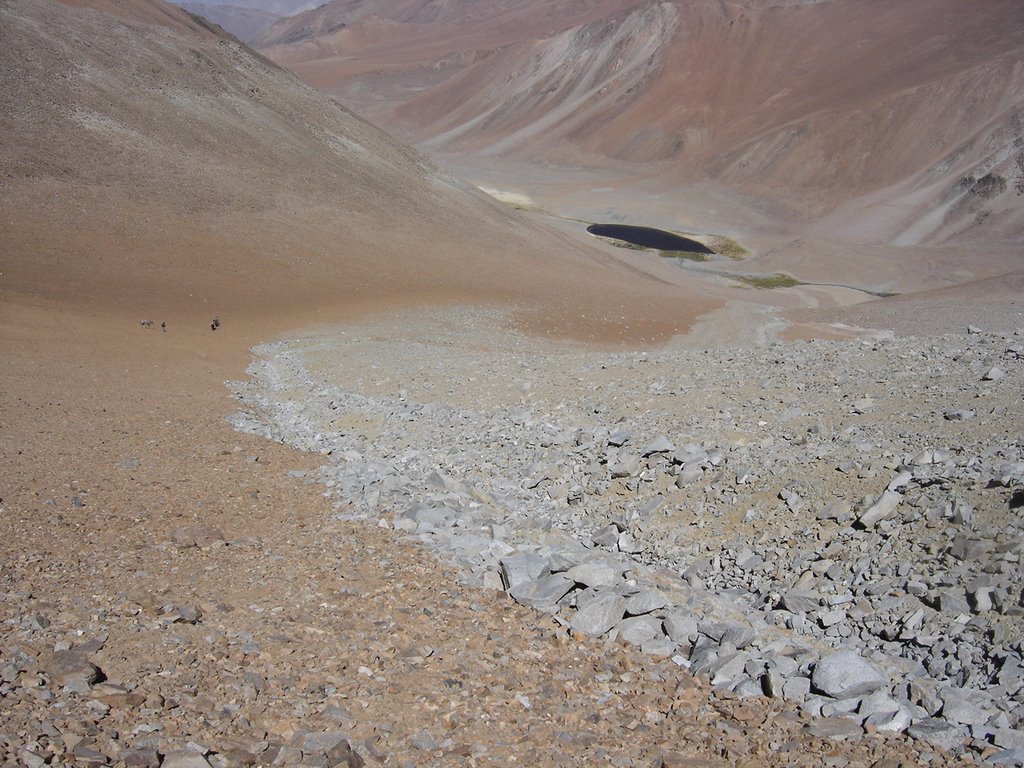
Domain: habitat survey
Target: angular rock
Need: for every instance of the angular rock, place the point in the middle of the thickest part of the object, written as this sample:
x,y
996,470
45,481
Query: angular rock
x,y
995,373
595,573
880,510
1013,757
800,601
629,545
184,758
544,593
960,415
70,667
736,634
599,615
835,728
660,444
845,674
796,688
522,568
958,708
140,758
681,627
639,629
646,601
938,733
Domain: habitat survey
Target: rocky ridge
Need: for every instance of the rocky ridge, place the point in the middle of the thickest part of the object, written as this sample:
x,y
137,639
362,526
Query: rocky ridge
x,y
830,523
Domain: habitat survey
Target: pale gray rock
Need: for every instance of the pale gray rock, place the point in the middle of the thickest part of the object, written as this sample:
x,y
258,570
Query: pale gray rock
x,y
544,593
690,473
845,674
646,601
606,537
796,688
624,465
599,615
660,444
184,758
1008,738
659,647
995,373
522,568
620,437
890,722
938,733
800,601
881,509
831,618
733,632
596,573
629,545
835,727
772,684
958,707
959,415
1013,757
681,627
727,669
639,629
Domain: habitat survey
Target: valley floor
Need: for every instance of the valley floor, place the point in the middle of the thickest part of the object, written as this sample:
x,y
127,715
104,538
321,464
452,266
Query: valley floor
x,y
174,587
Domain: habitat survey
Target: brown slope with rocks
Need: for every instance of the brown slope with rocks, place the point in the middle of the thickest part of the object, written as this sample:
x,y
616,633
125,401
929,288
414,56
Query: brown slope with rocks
x,y
903,120
172,591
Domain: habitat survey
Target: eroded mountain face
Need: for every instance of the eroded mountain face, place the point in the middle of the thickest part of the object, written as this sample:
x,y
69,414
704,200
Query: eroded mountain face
x,y
902,120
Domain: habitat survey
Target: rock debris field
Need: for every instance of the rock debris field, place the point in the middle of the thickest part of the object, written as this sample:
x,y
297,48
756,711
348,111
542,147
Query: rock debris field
x,y
836,525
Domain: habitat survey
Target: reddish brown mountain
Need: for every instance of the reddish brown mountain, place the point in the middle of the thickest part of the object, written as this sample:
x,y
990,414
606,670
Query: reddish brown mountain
x,y
901,120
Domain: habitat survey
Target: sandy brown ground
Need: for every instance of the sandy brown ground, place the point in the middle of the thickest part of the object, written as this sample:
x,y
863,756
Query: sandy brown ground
x,y
130,192
308,624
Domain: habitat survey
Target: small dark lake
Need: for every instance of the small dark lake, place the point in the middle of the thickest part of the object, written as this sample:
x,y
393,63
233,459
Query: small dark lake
x,y
648,237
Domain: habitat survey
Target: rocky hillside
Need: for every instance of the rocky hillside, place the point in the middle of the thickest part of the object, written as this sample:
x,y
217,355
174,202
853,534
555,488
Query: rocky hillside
x,y
834,524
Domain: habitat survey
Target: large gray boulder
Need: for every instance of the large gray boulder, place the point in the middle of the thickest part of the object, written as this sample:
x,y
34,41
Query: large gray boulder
x,y
844,675
522,568
599,615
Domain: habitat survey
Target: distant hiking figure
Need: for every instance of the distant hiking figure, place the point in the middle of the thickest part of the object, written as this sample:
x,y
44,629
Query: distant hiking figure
x,y
163,327
215,324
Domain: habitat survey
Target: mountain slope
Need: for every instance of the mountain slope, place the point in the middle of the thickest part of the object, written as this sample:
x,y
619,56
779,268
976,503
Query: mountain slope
x,y
160,167
889,113
244,23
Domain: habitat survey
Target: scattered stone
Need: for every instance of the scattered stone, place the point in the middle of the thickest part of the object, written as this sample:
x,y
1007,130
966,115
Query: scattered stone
x,y
995,373
599,615
595,573
845,674
881,509
184,758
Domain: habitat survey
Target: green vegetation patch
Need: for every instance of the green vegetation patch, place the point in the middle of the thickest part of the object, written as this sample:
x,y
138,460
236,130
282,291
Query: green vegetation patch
x,y
777,280
726,246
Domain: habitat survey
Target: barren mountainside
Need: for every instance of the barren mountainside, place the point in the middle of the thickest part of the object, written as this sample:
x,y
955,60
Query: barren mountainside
x,y
314,453
149,159
902,118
